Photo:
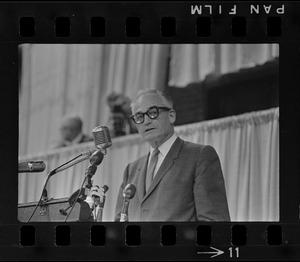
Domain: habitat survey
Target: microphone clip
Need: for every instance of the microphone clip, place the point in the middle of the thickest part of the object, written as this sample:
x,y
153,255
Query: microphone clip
x,y
43,203
90,171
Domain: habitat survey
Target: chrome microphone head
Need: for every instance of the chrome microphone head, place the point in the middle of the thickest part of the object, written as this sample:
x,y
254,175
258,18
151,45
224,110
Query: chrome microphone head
x,y
102,138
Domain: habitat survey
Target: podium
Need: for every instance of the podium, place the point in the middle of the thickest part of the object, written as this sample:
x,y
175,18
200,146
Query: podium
x,y
49,211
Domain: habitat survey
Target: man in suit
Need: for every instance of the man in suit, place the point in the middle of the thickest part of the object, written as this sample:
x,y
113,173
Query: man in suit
x,y
71,132
177,180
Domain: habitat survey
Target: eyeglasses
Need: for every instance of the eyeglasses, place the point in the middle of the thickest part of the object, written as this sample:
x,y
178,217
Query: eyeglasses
x,y
153,112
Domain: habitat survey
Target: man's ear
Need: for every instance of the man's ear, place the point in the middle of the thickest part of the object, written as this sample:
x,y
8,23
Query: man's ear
x,y
172,116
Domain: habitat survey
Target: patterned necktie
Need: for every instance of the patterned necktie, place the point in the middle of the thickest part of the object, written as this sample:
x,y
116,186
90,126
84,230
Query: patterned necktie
x,y
151,168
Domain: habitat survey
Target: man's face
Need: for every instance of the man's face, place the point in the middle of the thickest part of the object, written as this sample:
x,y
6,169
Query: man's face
x,y
154,131
69,130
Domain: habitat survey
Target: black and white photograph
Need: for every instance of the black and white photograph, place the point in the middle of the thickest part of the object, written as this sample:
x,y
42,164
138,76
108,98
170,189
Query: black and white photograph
x,y
148,133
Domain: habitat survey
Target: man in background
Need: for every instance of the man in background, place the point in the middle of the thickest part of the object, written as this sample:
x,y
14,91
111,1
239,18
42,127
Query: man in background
x,y
71,132
119,122
177,180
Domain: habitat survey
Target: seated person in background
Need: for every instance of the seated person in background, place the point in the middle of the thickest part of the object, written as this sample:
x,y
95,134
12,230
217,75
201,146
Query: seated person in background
x,y
71,132
119,122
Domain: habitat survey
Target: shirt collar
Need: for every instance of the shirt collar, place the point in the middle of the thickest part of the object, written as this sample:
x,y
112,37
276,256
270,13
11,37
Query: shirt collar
x,y
165,147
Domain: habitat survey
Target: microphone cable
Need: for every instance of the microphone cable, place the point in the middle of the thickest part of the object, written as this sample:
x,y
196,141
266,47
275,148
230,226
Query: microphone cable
x,y
74,202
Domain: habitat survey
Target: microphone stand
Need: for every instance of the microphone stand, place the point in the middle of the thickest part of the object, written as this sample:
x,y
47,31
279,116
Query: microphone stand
x,y
95,160
124,212
54,171
40,200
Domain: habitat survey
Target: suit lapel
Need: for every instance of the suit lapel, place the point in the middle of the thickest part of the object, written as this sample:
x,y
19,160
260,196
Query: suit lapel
x,y
142,170
165,166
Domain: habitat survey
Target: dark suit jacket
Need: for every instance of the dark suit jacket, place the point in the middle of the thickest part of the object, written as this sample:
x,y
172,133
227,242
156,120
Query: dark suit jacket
x,y
189,186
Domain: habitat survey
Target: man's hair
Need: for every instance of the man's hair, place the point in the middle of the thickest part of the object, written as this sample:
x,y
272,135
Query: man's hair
x,y
167,100
75,119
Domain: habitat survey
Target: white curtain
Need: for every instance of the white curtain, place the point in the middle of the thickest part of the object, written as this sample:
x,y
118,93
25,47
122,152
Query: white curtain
x,y
58,79
193,62
248,147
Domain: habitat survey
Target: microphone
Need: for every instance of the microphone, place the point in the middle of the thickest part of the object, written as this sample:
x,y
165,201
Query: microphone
x,y
128,193
96,158
66,166
102,138
104,190
84,156
89,152
102,141
32,166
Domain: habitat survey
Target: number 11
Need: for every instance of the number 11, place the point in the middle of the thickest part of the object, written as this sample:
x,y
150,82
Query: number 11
x,y
236,250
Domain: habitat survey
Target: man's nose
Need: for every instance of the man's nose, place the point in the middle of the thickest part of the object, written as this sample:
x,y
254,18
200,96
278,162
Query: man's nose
x,y
147,120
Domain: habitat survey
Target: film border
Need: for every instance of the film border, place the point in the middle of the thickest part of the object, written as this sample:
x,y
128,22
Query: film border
x,y
150,13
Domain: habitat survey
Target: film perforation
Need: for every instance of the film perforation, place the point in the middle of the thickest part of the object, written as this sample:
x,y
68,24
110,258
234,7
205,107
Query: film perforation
x,y
274,235
62,235
239,26
62,26
133,26
168,27
203,26
133,235
97,26
27,26
239,235
98,235
27,235
168,235
203,235
274,26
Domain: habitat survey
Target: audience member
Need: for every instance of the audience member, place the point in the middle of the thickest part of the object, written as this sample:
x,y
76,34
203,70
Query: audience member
x,y
71,132
119,122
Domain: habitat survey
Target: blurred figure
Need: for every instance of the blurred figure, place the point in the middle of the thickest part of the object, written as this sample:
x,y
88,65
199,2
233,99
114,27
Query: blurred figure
x,y
95,201
119,120
71,132
93,197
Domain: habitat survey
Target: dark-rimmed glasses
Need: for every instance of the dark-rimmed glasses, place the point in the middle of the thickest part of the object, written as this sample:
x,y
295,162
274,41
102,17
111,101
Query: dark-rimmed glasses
x,y
152,113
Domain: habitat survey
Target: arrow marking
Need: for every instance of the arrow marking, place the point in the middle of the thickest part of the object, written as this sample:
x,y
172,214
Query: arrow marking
x,y
215,253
